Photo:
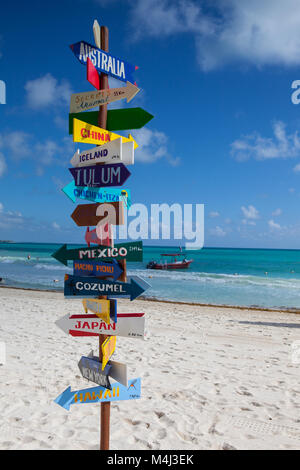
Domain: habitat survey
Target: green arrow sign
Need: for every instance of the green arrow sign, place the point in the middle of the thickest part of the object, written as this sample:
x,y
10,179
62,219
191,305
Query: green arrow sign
x,y
117,119
132,251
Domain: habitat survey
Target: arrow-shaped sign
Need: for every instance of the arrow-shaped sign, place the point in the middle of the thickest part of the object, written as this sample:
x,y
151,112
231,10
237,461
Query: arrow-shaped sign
x,y
97,269
87,287
115,370
117,119
108,348
100,394
100,175
103,61
94,371
131,251
92,74
89,134
129,325
105,309
91,214
97,194
112,152
105,239
91,99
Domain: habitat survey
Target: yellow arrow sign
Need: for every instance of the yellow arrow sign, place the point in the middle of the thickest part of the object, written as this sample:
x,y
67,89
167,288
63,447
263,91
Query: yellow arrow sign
x,y
108,348
89,134
100,307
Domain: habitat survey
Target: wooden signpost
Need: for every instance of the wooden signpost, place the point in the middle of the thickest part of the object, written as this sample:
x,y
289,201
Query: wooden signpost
x,y
93,171
89,134
88,100
117,119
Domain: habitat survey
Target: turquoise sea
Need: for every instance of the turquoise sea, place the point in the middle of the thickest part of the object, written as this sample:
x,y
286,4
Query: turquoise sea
x,y
219,276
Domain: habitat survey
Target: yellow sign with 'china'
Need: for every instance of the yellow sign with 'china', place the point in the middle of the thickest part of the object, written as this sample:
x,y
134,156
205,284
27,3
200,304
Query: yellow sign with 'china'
x,y
108,348
89,134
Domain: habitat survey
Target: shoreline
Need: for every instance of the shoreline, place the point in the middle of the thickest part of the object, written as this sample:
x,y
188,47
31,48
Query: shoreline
x,y
151,299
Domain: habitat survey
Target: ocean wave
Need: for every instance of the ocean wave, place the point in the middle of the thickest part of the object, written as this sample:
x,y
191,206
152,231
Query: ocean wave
x,y
220,278
53,267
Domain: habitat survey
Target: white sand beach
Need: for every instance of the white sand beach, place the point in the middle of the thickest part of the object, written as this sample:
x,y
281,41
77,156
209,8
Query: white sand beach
x,y
212,378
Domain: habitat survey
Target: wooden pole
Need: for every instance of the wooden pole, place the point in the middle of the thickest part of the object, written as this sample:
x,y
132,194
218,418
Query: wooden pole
x,y
102,122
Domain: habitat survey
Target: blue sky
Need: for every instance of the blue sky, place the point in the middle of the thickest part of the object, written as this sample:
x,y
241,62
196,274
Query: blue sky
x,y
216,75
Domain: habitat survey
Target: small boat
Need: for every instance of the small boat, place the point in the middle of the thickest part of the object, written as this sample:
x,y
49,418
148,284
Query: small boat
x,y
174,263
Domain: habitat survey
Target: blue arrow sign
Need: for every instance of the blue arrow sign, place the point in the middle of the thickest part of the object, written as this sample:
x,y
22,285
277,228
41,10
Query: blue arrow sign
x,y
103,61
97,268
100,394
88,287
97,194
95,176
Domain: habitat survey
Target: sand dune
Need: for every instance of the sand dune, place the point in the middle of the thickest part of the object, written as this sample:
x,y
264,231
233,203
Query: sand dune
x,y
212,378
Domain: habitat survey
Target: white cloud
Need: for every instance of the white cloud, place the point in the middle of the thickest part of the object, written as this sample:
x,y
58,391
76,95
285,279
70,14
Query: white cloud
x,y
47,91
257,32
292,190
277,212
296,168
273,225
153,145
281,145
218,231
20,145
1,207
2,164
213,214
250,212
56,226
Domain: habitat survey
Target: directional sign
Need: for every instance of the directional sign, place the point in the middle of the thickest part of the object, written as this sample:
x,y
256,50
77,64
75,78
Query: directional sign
x,y
117,119
97,194
103,61
108,348
87,287
91,214
112,152
97,35
98,269
130,325
105,239
94,371
132,251
102,308
89,134
100,394
92,74
100,175
92,99
117,370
